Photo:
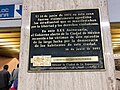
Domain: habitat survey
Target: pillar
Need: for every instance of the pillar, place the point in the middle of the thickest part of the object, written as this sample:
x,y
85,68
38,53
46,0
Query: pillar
x,y
86,79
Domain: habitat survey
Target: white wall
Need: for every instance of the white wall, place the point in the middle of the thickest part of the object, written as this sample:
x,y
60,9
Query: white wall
x,y
114,10
2,2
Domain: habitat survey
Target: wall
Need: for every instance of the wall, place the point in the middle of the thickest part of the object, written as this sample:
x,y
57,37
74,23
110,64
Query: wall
x,y
114,11
12,62
2,2
88,80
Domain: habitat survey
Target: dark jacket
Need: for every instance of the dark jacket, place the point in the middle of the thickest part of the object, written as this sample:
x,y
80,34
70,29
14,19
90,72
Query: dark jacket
x,y
4,78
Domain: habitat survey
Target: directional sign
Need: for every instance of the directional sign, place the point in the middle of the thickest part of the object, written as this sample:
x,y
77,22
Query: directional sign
x,y
10,11
18,11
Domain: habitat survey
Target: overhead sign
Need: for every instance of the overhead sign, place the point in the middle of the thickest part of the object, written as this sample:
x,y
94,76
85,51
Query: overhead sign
x,y
10,11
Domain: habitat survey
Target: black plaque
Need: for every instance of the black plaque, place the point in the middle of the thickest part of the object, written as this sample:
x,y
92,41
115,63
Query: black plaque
x,y
68,40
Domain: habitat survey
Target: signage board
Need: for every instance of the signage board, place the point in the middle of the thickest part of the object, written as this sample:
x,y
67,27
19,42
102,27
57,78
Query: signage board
x,y
68,40
10,11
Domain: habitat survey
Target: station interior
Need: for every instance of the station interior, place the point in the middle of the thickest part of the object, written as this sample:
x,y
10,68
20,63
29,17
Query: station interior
x,y
11,35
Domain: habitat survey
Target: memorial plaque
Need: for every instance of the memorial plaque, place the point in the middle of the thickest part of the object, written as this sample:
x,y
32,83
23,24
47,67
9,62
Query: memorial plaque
x,y
67,40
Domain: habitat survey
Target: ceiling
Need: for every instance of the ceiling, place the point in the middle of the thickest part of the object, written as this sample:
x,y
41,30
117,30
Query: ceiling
x,y
10,40
115,31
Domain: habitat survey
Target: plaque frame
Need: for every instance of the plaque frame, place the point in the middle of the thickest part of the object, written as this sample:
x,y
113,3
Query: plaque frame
x,y
97,69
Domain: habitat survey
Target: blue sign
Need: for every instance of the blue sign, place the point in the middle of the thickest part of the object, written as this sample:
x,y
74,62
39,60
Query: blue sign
x,y
6,11
10,11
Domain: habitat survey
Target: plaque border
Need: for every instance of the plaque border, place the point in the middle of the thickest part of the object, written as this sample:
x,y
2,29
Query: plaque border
x,y
80,70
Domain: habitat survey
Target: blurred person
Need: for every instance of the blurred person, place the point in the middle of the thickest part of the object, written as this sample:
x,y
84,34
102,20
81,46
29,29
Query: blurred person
x,y
11,78
4,78
14,74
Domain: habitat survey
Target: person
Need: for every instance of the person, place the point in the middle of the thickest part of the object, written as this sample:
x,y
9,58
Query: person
x,y
4,78
14,78
14,74
11,78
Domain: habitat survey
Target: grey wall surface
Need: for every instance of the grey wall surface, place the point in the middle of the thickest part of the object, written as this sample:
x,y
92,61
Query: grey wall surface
x,y
2,2
114,12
